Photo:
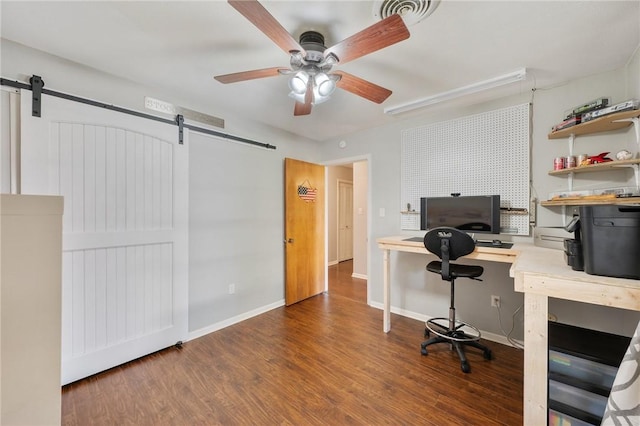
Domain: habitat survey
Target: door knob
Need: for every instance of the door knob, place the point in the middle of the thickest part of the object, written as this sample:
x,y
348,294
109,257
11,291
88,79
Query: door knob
x,y
290,241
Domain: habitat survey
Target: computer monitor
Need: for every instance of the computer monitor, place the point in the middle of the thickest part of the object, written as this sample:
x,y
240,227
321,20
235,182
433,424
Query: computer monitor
x,y
479,213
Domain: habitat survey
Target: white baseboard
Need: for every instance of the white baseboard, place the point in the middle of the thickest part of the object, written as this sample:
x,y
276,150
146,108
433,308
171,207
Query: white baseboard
x,y
234,320
498,338
487,335
332,262
360,276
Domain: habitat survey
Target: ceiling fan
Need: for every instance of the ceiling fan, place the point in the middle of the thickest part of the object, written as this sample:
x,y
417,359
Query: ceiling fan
x,y
311,62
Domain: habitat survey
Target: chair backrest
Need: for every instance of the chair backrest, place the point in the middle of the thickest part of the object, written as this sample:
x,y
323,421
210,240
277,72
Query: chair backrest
x,y
454,242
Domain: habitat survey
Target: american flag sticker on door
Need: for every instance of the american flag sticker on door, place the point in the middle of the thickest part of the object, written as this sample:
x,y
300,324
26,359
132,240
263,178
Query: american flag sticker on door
x,y
306,192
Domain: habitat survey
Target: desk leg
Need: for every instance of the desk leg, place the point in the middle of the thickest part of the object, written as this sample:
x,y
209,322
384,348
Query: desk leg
x,y
536,314
386,318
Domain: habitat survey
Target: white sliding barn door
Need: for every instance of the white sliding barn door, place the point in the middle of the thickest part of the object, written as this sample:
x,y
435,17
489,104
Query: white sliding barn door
x,y
125,185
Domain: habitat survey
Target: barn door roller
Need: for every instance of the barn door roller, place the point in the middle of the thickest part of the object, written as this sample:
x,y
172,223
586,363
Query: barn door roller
x,y
36,90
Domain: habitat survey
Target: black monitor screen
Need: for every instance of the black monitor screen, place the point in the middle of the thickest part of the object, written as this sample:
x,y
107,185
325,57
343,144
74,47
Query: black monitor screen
x,y
472,213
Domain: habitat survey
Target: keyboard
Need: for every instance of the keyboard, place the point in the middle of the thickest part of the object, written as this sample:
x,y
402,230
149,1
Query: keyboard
x,y
502,244
416,239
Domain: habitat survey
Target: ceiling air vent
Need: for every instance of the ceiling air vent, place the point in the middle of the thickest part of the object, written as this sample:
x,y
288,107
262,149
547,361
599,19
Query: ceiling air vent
x,y
412,11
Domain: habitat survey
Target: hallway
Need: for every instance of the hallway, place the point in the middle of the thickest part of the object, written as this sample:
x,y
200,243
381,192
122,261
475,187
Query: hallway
x,y
341,283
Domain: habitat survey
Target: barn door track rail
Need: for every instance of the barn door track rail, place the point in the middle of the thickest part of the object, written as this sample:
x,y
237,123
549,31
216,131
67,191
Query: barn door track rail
x,y
36,85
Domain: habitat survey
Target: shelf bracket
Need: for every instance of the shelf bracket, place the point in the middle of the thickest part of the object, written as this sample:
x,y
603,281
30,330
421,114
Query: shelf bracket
x,y
570,181
636,173
572,138
636,127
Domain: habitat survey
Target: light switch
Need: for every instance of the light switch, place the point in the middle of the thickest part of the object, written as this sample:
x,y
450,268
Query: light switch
x,y
382,212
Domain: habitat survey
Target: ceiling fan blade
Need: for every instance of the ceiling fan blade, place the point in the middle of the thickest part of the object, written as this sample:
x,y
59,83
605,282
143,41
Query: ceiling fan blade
x,y
248,75
389,31
265,22
362,88
304,108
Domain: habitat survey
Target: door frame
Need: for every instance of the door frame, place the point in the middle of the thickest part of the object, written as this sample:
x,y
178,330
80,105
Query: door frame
x,y
348,160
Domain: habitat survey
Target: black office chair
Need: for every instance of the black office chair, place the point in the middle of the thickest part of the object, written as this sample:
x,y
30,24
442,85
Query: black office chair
x,y
450,244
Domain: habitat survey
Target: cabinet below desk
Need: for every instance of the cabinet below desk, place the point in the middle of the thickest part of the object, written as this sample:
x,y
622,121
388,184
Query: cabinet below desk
x,y
541,273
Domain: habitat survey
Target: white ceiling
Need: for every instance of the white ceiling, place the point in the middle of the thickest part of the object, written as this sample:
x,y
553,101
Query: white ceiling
x,y
181,45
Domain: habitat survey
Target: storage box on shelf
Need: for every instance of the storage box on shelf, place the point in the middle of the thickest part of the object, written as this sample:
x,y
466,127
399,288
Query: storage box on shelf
x,y
606,123
582,367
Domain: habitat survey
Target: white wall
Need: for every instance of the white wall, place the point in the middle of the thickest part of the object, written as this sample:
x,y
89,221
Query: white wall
x,y
236,219
416,292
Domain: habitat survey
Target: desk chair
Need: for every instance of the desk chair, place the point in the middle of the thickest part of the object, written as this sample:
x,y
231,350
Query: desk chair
x,y
450,244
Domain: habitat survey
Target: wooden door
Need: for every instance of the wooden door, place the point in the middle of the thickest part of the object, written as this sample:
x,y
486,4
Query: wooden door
x,y
125,245
304,230
345,221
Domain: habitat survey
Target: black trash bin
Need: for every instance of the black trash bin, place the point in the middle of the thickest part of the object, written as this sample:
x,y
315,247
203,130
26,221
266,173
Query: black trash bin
x,y
611,240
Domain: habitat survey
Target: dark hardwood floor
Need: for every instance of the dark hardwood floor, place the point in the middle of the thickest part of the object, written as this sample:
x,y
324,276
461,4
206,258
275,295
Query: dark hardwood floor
x,y
323,361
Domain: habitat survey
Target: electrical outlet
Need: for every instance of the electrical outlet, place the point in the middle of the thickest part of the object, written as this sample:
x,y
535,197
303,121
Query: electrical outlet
x,y
495,301
232,288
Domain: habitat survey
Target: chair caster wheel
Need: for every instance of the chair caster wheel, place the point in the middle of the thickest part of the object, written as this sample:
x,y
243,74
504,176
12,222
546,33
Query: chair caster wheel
x,y
488,355
423,351
466,368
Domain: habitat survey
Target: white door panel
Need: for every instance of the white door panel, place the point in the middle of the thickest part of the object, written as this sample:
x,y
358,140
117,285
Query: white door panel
x,y
124,181
345,221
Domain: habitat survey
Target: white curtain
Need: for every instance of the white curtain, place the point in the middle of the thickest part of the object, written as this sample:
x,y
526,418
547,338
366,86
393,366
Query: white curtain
x,y
623,407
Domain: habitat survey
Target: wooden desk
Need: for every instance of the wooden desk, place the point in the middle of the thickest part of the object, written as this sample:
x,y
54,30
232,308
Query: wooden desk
x,y
539,273
400,244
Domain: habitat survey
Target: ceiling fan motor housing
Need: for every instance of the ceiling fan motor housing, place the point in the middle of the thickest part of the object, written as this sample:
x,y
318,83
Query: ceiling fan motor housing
x,y
313,43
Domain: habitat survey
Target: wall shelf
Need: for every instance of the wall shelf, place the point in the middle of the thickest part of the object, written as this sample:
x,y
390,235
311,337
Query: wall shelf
x,y
615,121
603,124
610,165
589,201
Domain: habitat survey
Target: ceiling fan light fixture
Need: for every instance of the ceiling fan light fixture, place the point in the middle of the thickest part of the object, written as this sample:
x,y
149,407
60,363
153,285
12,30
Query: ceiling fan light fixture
x,y
324,85
318,98
298,83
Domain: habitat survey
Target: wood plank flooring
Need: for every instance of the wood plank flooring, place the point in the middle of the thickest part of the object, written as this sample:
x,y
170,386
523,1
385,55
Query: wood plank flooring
x,y
323,361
